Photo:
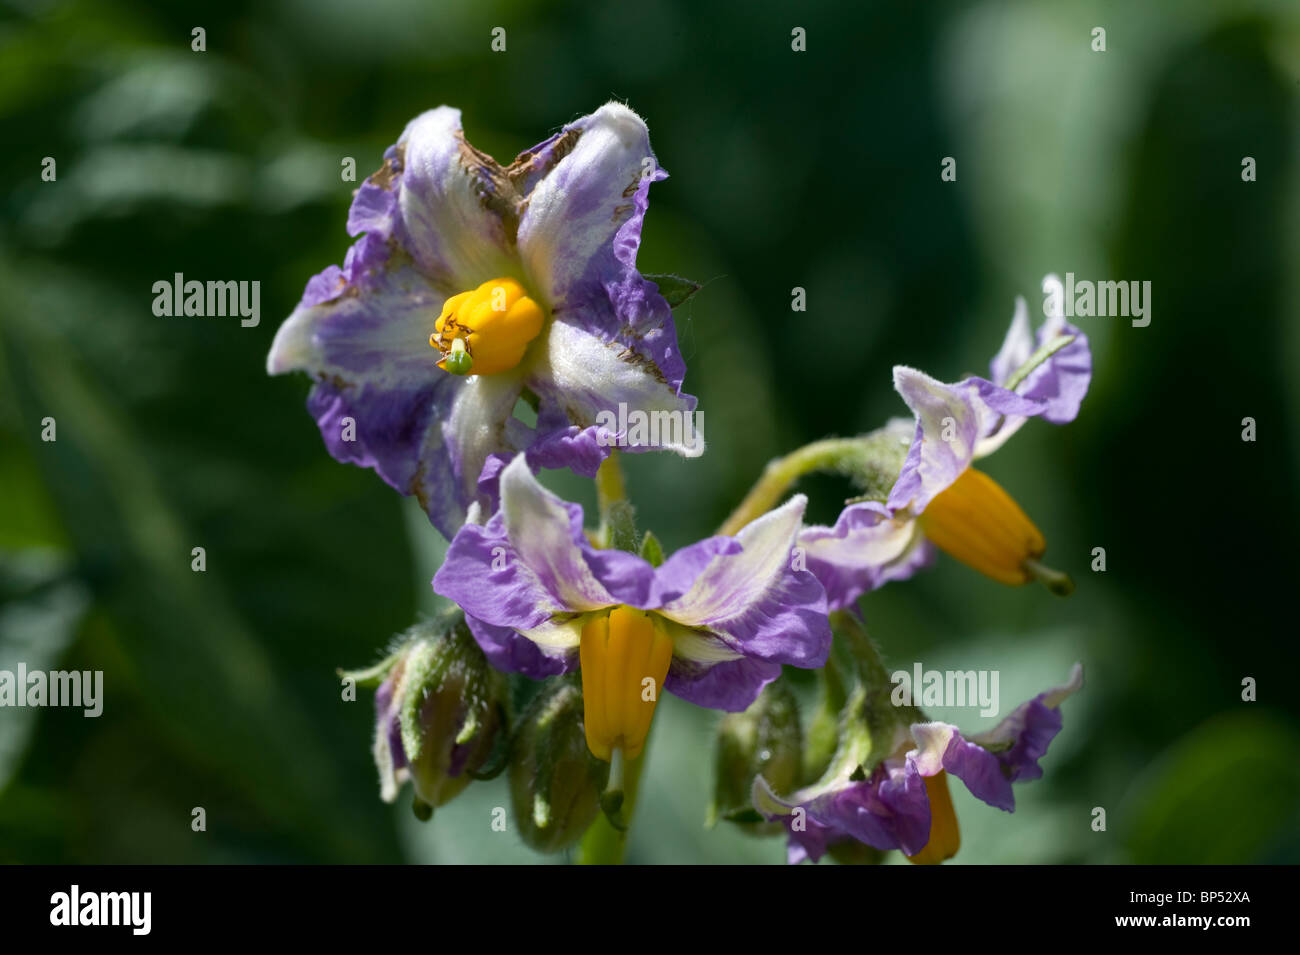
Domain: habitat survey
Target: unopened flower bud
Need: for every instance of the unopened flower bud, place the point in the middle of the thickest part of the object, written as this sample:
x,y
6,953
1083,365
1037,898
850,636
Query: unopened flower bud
x,y
439,713
765,739
555,781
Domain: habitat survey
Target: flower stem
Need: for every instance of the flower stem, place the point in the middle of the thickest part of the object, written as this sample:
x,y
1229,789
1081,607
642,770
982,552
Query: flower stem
x,y
617,516
610,486
781,474
1057,582
604,843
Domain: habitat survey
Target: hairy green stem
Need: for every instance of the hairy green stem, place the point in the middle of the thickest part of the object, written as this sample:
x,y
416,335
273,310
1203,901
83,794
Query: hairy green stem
x,y
610,486
604,843
780,475
870,456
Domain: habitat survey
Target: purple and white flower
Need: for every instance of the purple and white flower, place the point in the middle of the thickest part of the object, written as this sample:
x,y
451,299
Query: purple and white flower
x,y
735,609
955,425
892,805
560,227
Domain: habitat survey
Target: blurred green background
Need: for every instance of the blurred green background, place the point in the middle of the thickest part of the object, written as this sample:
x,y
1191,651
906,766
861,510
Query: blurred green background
x,y
817,169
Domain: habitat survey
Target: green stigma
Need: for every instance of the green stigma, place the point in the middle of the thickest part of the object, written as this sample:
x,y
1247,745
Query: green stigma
x,y
458,360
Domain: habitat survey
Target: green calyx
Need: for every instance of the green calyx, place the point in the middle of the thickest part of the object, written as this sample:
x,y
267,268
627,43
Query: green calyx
x,y
879,711
555,782
857,724
451,709
652,552
823,735
766,739
871,462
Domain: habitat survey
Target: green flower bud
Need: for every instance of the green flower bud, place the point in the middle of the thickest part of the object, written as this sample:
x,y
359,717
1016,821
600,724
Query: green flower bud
x,y
766,739
555,782
439,712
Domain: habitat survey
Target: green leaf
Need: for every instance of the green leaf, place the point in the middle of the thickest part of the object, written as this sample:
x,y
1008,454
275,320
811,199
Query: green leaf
x,y
38,620
1227,792
674,288
231,676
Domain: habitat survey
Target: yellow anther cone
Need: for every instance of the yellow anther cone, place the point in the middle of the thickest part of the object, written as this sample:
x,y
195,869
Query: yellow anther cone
x,y
978,523
495,322
624,657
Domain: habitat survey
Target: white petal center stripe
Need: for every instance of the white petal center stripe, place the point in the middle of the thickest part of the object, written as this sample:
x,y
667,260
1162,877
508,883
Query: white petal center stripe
x,y
371,335
557,634
733,582
567,223
593,375
537,525
1016,347
698,647
455,237
932,741
872,546
476,422
934,403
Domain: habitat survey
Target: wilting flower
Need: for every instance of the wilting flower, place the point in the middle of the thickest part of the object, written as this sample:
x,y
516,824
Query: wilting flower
x,y
939,498
713,624
523,279
903,801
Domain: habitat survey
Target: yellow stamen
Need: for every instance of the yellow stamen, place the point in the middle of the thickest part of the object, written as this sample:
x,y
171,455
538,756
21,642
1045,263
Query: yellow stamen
x,y
488,329
978,523
624,656
945,837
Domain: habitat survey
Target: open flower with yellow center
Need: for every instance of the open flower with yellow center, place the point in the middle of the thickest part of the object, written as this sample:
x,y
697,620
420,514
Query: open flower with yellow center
x,y
903,802
940,499
476,285
712,624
